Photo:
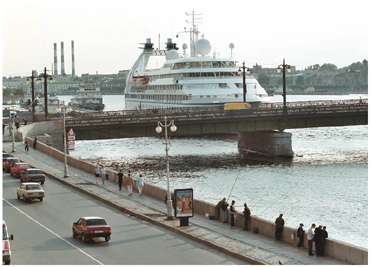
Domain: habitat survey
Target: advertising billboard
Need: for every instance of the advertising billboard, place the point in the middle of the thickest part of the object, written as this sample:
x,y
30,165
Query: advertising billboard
x,y
183,203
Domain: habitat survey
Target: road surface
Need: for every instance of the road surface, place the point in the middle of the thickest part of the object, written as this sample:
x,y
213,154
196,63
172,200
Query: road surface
x,y
43,233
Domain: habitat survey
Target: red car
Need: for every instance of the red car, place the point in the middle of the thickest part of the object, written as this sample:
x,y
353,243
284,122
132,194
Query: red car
x,y
18,168
88,228
9,162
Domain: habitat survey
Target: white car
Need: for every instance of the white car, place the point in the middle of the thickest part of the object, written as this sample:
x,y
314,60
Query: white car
x,y
30,191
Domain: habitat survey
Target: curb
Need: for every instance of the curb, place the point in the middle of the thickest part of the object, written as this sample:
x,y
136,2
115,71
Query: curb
x,y
143,217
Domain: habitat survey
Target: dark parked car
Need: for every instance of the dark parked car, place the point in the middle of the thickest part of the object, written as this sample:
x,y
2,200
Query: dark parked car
x,y
33,175
88,228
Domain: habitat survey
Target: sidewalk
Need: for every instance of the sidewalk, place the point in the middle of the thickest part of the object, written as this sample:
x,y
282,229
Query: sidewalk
x,y
247,246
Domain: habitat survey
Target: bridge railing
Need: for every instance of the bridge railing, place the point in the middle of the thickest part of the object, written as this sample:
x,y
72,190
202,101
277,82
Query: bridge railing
x,y
266,109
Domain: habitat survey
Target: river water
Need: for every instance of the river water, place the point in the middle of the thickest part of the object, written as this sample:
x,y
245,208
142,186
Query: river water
x,y
327,182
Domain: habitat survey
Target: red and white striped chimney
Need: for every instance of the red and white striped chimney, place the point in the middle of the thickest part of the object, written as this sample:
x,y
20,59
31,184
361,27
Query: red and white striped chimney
x,y
73,58
62,70
55,60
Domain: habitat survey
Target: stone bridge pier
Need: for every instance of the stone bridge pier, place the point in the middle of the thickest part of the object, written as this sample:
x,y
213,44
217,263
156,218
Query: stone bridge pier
x,y
265,145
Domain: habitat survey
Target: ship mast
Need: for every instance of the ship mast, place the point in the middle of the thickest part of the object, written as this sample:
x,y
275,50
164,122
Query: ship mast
x,y
193,32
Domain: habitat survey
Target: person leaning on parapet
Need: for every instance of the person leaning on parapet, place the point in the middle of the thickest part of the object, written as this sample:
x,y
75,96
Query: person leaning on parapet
x,y
300,235
325,235
120,179
232,214
319,240
247,217
218,208
310,238
279,227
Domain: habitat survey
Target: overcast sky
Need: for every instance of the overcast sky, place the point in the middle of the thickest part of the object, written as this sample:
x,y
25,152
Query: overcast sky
x,y
107,33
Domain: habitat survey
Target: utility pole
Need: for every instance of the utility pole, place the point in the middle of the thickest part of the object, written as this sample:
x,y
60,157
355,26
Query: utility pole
x,y
33,77
46,78
284,67
244,85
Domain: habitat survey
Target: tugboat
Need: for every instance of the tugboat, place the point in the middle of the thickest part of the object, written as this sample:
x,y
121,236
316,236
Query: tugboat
x,y
89,98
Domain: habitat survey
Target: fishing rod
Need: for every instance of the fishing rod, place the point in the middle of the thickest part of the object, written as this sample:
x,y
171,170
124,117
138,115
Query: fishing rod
x,y
232,188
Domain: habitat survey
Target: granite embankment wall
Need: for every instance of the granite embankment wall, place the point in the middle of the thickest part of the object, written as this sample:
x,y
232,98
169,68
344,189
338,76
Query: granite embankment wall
x,y
335,249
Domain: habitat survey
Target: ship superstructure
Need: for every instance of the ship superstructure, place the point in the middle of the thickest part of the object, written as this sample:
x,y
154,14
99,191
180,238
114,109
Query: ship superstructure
x,y
88,98
197,80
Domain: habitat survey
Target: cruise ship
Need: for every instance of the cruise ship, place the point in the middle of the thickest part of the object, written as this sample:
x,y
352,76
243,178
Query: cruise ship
x,y
194,80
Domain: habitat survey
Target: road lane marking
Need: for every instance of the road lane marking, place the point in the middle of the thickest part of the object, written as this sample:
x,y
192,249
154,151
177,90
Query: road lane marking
x,y
54,233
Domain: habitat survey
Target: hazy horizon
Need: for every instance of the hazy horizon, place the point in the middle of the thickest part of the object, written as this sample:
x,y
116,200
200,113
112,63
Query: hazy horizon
x,y
107,33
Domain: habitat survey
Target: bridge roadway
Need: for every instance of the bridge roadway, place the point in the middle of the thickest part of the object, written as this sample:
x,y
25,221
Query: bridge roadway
x,y
195,122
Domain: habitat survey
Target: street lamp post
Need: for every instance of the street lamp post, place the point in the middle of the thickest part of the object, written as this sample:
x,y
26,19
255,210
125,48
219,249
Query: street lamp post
x,y
65,142
244,69
158,129
13,138
284,67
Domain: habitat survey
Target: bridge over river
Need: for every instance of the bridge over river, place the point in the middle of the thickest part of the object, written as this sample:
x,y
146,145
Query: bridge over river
x,y
260,129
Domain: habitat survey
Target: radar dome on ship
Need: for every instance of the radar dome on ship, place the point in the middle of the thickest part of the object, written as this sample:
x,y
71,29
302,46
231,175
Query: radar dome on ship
x,y
203,46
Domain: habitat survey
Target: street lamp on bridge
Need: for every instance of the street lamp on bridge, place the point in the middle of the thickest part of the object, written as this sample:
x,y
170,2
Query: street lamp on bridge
x,y
244,70
284,67
158,129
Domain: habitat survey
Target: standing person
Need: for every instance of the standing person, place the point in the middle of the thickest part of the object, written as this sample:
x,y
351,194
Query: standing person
x,y
97,172
232,214
310,238
247,217
225,210
319,240
279,227
218,208
300,235
34,142
129,183
26,146
103,173
140,184
4,128
120,179
325,234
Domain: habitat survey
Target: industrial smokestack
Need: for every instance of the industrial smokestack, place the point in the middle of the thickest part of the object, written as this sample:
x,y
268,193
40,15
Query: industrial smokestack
x,y
55,60
62,71
73,58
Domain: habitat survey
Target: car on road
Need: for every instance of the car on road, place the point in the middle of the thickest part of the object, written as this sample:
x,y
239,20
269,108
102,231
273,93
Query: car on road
x,y
19,168
87,228
7,252
9,162
30,191
33,175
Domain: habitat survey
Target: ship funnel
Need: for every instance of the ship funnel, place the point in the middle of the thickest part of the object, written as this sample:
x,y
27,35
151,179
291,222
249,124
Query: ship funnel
x,y
170,45
62,71
55,60
148,46
73,58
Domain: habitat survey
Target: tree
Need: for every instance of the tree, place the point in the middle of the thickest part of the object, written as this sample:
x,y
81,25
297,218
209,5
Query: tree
x,y
264,80
328,67
299,81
